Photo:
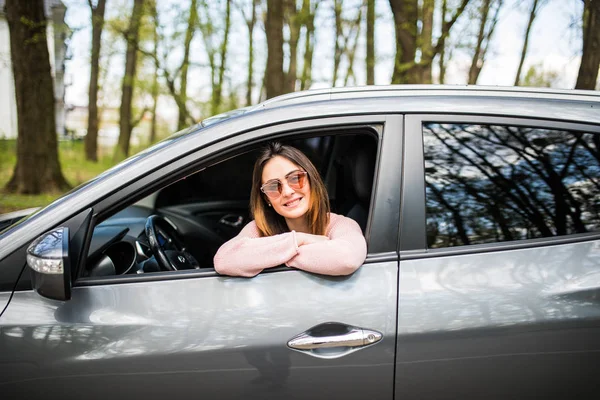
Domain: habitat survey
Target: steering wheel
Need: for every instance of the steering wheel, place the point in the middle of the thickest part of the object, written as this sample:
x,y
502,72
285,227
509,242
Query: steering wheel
x,y
167,247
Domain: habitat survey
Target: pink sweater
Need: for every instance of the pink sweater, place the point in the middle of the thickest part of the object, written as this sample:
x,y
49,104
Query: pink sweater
x,y
248,254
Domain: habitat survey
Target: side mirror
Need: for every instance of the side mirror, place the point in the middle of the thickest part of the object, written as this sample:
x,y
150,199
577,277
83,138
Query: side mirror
x,y
48,259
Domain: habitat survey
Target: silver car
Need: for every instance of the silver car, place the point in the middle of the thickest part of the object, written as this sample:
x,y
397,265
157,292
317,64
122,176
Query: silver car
x,y
481,210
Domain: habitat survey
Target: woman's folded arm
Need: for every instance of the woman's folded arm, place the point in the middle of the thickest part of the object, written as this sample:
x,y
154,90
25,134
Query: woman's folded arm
x,y
248,254
343,254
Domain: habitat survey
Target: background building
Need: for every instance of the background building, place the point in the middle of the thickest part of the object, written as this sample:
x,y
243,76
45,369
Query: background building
x,y
57,34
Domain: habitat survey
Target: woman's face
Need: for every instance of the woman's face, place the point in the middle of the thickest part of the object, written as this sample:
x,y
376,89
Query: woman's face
x,y
292,203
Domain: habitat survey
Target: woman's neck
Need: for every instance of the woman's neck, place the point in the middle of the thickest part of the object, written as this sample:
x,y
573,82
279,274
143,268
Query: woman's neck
x,y
298,225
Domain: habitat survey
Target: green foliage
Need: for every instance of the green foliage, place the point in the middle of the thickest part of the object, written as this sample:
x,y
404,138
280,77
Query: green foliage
x,y
536,76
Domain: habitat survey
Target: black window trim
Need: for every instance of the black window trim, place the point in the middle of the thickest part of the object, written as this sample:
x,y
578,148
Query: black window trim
x,y
229,147
413,245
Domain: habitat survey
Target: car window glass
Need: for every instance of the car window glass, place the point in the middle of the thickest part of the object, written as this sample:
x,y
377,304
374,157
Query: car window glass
x,y
492,183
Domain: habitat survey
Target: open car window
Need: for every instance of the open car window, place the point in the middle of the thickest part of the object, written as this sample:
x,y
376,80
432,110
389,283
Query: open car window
x,y
199,212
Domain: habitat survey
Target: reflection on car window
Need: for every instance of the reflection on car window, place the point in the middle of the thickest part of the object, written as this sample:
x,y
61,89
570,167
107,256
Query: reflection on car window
x,y
489,183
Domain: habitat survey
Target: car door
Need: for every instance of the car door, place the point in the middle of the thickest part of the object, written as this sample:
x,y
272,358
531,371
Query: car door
x,y
190,333
500,259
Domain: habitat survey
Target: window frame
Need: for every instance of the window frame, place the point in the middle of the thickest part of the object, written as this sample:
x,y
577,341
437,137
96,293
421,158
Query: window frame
x,y
413,211
231,146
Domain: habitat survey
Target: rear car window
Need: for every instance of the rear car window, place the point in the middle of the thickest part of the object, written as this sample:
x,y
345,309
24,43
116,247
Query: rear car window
x,y
492,183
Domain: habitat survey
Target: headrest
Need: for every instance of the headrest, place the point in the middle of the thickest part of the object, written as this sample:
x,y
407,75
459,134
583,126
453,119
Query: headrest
x,y
360,160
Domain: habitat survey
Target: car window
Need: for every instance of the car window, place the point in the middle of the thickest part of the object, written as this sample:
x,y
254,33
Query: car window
x,y
203,210
493,183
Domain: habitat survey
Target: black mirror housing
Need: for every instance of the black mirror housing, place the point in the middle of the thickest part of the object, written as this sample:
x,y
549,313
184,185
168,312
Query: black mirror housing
x,y
49,263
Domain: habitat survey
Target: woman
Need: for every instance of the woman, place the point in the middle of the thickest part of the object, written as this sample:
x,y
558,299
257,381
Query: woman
x,y
292,223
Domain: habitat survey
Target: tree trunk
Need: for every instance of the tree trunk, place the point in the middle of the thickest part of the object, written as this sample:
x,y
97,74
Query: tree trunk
x,y
370,42
405,25
350,49
293,20
427,38
155,86
406,20
274,79
38,168
91,138
487,40
251,23
590,57
339,35
182,120
442,77
309,45
218,88
534,9
477,61
125,123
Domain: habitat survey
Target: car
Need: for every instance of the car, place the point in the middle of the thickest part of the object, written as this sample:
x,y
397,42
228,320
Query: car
x,y
481,211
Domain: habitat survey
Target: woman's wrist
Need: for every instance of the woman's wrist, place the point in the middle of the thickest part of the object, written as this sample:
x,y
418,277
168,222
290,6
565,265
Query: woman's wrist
x,y
300,238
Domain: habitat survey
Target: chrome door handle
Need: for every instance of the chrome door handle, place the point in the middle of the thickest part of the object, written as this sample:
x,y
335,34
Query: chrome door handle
x,y
334,335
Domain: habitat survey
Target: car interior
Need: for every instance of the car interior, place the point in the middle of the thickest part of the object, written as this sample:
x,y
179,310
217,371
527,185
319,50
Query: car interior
x,y
182,225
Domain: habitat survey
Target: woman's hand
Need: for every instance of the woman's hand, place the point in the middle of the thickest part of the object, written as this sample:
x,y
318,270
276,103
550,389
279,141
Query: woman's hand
x,y
307,238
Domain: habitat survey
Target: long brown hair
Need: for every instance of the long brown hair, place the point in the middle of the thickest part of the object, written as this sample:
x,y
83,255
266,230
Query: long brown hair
x,y
267,220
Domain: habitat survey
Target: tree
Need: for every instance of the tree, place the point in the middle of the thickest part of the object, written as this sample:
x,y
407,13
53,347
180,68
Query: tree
x,y
91,138
535,6
410,41
370,42
155,86
125,115
38,168
216,49
250,23
487,25
176,79
309,11
443,58
218,84
590,57
181,97
274,77
293,19
426,36
347,32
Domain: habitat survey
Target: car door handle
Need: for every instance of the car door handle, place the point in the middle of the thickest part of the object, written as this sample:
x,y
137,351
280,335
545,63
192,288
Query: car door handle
x,y
322,339
232,220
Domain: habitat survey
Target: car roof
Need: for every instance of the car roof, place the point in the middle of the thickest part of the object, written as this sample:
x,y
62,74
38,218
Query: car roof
x,y
342,93
400,91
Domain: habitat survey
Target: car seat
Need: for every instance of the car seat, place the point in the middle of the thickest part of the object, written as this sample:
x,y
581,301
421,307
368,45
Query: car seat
x,y
355,170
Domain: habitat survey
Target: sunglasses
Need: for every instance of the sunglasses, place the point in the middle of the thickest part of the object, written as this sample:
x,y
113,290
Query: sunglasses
x,y
295,180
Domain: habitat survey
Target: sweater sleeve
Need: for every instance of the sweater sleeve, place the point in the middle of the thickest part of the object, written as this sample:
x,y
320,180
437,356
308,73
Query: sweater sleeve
x,y
343,254
248,254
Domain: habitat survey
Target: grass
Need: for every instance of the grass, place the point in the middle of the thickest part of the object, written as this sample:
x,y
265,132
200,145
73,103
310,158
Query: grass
x,y
75,168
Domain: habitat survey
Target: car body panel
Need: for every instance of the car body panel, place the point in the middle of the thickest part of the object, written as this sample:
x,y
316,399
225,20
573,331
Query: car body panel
x,y
220,337
498,324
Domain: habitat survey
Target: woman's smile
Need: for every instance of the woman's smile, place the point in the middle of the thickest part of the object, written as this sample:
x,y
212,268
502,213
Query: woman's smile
x,y
293,203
